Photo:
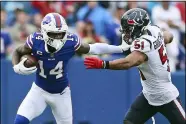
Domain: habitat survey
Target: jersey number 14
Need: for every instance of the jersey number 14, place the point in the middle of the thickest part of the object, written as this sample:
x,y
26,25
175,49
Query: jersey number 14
x,y
55,71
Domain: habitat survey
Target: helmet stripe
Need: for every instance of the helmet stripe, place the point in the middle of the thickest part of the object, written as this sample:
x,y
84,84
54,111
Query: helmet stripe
x,y
58,20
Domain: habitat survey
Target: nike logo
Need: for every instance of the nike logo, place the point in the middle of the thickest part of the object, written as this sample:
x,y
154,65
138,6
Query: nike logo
x,y
62,93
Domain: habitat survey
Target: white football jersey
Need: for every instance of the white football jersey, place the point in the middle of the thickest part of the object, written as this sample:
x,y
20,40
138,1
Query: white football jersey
x,y
155,72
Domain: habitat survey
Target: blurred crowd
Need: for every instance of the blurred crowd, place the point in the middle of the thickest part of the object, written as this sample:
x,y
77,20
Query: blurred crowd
x,y
93,21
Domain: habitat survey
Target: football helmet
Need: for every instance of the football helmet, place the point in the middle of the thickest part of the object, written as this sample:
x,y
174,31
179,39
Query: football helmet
x,y
133,22
54,30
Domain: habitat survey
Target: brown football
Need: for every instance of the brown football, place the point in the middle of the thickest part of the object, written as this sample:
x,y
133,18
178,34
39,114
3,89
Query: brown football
x,y
30,62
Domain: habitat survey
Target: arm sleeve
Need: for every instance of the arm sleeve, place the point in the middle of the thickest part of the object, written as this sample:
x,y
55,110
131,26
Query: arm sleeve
x,y
103,48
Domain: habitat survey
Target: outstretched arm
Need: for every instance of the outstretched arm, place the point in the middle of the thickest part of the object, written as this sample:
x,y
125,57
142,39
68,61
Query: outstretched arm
x,y
101,48
134,59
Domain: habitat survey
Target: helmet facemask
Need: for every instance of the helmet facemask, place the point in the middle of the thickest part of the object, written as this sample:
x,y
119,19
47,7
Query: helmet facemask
x,y
56,40
127,34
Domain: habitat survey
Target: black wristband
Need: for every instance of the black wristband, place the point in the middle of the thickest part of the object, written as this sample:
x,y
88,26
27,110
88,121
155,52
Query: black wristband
x,y
106,65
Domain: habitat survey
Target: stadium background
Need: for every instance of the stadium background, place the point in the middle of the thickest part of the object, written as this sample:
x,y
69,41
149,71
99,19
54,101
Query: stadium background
x,y
99,97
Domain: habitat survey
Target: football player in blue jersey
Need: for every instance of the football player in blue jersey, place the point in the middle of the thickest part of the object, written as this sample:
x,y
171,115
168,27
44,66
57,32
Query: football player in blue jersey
x,y
52,47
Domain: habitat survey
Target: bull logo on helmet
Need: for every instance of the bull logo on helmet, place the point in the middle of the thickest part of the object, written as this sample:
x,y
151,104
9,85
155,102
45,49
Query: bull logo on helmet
x,y
47,20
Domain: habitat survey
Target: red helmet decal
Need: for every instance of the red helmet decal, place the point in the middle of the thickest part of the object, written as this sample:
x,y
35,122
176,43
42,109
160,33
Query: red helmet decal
x,y
131,21
58,20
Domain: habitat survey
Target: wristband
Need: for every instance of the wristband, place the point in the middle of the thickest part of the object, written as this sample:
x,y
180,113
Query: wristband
x,y
106,64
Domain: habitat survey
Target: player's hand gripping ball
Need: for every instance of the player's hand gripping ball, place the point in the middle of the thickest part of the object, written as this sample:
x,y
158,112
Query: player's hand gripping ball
x,y
30,62
26,66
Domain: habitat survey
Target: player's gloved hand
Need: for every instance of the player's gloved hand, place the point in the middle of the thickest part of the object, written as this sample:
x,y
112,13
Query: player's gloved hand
x,y
93,63
124,46
21,69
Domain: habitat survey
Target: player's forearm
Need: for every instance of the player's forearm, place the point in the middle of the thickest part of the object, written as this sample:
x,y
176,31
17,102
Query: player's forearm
x,y
19,52
16,57
120,64
123,64
134,59
103,48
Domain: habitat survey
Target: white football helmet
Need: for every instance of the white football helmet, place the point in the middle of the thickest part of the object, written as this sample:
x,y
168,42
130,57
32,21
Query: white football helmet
x,y
54,30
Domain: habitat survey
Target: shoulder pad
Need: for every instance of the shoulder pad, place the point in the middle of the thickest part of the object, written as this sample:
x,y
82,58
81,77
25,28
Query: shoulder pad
x,y
148,38
37,36
152,30
71,36
142,45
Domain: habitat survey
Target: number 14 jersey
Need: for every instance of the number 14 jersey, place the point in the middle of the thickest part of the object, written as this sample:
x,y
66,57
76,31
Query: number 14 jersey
x,y
155,72
51,72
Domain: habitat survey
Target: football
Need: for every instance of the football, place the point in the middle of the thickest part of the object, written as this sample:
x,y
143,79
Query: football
x,y
30,62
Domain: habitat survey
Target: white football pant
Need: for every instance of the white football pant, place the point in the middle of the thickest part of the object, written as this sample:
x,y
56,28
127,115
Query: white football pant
x,y
37,99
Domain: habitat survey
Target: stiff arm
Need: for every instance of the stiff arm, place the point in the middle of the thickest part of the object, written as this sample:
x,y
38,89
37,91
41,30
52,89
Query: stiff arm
x,y
103,48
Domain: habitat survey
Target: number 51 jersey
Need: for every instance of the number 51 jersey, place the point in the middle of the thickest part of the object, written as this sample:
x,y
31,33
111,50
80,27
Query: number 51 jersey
x,y
155,72
51,72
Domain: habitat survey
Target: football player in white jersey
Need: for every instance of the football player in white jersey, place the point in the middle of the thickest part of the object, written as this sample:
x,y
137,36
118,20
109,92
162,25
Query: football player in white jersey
x,y
148,53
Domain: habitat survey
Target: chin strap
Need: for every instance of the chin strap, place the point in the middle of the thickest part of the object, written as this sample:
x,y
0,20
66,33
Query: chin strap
x,y
49,49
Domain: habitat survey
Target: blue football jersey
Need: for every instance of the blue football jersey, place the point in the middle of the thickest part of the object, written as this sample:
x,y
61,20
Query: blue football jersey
x,y
51,74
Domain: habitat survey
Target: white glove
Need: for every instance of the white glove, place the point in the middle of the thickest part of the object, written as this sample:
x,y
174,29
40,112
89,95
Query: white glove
x,y
124,46
21,69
